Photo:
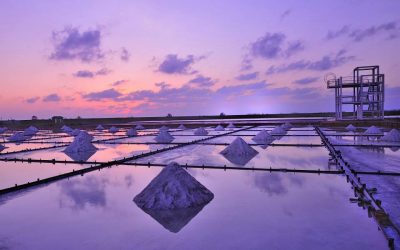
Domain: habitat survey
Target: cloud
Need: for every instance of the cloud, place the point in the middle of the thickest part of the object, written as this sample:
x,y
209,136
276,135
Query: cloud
x,y
246,77
72,44
162,85
52,98
101,95
91,74
285,14
201,82
174,65
125,55
118,83
306,80
274,45
391,29
247,63
325,63
32,99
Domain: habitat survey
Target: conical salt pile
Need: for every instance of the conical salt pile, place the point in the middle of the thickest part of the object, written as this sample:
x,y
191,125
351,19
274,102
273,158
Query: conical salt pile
x,y
81,143
287,126
2,147
2,130
31,130
373,131
113,130
139,127
392,136
181,126
278,130
239,152
263,137
164,137
66,129
131,132
350,127
74,132
231,126
200,131
219,128
173,188
165,128
19,136
100,127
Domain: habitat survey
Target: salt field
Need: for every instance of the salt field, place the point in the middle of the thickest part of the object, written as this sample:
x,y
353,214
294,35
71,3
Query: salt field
x,y
233,186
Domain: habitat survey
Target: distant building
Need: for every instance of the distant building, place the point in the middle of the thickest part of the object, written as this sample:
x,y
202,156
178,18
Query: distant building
x,y
34,118
222,114
57,119
169,115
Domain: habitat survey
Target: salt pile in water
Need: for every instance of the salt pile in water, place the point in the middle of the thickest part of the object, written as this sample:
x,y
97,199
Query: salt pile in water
x,y
263,137
66,129
181,126
200,131
392,136
2,130
231,126
100,127
278,130
287,126
113,130
19,136
239,152
2,147
350,127
173,188
82,143
131,132
75,132
164,137
165,128
219,128
139,126
373,131
31,130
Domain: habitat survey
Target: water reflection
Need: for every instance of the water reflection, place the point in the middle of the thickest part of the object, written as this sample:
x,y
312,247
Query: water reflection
x,y
81,155
277,183
175,219
77,193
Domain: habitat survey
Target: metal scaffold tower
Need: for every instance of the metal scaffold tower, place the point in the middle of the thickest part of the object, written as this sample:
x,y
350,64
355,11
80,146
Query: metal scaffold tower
x,y
360,96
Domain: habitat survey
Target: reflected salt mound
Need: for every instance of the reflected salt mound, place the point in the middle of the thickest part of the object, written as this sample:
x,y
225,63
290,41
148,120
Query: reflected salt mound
x,y
200,131
239,152
181,126
219,128
263,137
173,197
81,149
350,127
164,137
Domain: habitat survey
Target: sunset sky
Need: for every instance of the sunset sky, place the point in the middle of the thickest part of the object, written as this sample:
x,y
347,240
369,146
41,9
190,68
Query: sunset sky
x,y
146,58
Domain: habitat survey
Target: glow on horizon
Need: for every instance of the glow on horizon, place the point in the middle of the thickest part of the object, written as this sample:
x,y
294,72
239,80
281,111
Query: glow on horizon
x,y
218,36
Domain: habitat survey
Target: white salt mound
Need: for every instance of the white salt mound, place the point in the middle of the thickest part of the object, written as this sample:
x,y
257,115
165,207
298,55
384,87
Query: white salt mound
x,y
350,127
239,152
287,126
200,131
113,130
19,136
139,126
100,127
2,147
66,129
392,136
31,130
181,126
75,132
173,188
263,137
373,131
219,128
231,126
82,143
163,128
278,130
131,132
2,130
164,137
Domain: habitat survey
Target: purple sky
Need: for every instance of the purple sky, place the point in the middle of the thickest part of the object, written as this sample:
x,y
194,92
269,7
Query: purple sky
x,y
144,58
